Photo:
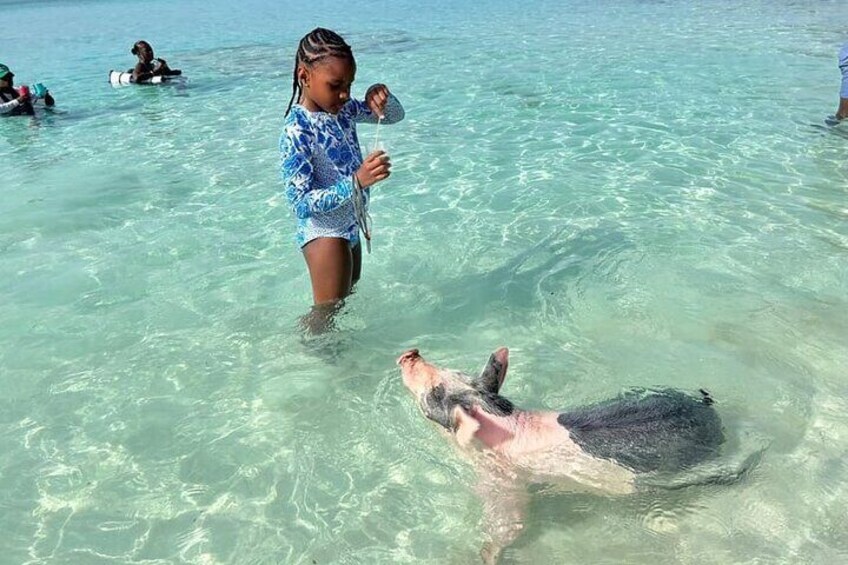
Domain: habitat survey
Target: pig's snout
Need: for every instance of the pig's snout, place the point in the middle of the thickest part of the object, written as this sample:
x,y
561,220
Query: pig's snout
x,y
418,375
407,356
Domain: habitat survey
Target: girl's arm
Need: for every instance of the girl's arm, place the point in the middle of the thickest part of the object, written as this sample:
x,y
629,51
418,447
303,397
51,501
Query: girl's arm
x,y
297,174
393,112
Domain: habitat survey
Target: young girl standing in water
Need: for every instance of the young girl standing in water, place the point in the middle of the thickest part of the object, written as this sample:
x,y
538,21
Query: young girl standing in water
x,y
326,179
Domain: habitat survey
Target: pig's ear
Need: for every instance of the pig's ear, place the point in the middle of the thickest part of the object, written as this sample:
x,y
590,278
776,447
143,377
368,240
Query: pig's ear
x,y
464,425
494,373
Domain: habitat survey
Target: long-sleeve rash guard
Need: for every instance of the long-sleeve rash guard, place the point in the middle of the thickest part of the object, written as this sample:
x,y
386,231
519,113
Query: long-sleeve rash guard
x,y
319,154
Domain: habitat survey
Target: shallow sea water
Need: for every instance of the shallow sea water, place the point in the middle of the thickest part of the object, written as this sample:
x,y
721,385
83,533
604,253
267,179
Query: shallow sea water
x,y
628,194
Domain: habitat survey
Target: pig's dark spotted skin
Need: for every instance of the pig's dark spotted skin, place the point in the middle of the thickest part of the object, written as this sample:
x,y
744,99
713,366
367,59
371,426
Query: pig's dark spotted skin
x,y
662,430
439,404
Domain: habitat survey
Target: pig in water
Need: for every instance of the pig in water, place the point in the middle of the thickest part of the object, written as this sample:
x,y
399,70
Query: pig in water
x,y
600,448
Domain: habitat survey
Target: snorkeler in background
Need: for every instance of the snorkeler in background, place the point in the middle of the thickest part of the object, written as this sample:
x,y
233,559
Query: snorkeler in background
x,y
149,66
326,180
19,101
842,112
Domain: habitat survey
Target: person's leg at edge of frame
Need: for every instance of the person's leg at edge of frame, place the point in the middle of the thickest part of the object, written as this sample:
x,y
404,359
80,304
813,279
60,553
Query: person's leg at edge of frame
x,y
842,113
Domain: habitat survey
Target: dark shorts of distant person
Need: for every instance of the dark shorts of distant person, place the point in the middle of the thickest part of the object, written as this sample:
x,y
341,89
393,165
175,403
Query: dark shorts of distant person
x,y
843,66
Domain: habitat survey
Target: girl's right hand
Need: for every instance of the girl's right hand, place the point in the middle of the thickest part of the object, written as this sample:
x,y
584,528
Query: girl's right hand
x,y
375,168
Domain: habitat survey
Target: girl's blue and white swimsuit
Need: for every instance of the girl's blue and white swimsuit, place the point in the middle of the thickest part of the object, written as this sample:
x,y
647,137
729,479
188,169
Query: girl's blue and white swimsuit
x,y
319,155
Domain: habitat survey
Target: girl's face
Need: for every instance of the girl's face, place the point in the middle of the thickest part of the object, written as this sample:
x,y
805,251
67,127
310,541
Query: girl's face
x,y
327,83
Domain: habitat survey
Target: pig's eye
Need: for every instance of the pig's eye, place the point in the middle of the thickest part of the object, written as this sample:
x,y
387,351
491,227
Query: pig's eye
x,y
435,407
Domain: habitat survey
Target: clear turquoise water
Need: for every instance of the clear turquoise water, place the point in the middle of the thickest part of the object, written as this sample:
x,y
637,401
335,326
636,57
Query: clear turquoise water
x,y
625,194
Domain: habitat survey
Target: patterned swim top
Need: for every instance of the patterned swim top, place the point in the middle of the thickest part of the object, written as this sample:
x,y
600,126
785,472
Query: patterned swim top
x,y
319,154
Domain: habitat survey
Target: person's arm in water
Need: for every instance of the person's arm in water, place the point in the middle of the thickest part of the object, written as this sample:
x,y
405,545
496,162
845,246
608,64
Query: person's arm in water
x,y
163,68
7,107
140,72
378,101
297,174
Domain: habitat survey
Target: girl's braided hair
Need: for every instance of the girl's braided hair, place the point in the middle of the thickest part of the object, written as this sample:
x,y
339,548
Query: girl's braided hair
x,y
316,45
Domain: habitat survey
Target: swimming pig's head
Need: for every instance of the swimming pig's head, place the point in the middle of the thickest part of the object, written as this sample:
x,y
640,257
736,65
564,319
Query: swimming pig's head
x,y
449,397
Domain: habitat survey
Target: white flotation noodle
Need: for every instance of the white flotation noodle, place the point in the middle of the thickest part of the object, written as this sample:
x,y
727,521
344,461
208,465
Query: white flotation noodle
x,y
119,78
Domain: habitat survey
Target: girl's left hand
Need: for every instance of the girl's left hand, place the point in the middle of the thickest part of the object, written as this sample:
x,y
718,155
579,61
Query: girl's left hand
x,y
376,98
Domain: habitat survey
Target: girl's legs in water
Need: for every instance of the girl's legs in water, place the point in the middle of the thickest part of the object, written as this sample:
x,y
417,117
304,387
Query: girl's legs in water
x,y
330,265
334,267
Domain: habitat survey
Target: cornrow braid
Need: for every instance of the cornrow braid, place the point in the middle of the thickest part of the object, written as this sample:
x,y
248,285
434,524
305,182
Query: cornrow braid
x,y
316,45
